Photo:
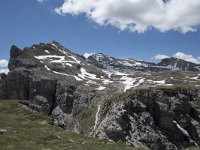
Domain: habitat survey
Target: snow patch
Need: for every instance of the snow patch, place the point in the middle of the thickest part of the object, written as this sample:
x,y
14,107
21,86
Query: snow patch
x,y
195,78
159,82
86,55
106,81
85,75
55,59
48,69
181,129
77,78
129,82
108,73
75,59
68,64
60,73
47,51
120,73
91,82
96,119
100,88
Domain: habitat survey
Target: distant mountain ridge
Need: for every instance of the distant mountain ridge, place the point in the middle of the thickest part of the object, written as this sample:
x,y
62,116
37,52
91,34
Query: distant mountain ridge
x,y
179,64
121,64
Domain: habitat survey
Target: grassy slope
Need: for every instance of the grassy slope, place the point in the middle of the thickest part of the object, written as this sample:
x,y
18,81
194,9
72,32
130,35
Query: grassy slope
x,y
33,131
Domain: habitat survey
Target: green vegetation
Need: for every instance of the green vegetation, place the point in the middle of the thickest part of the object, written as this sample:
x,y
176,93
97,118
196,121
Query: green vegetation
x,y
197,101
33,131
144,90
88,120
193,148
121,96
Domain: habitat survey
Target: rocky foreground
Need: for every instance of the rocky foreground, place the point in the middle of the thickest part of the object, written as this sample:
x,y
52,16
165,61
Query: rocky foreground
x,y
143,104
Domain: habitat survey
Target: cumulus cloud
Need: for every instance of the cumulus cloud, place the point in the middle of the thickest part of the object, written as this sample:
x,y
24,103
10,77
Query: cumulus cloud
x,y
160,57
138,15
180,55
187,57
3,63
86,55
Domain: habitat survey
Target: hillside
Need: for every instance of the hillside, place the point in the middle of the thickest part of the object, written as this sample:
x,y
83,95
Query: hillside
x,y
33,131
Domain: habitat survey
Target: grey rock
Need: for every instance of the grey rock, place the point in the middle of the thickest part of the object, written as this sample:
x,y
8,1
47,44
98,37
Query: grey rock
x,y
3,86
60,118
17,84
156,119
3,76
41,104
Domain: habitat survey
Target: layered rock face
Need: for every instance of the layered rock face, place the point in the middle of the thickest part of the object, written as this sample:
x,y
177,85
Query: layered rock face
x,y
64,85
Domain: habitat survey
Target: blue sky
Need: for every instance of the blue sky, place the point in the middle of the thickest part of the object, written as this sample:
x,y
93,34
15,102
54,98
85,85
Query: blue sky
x,y
25,22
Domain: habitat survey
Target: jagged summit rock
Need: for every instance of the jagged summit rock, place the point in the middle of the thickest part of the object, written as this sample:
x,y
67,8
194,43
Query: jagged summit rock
x,y
70,88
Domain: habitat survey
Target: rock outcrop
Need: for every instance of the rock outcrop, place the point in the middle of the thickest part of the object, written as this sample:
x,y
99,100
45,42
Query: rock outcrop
x,y
154,118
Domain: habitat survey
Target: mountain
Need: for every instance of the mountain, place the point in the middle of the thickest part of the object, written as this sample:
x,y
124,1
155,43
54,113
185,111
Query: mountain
x,y
129,65
139,103
179,64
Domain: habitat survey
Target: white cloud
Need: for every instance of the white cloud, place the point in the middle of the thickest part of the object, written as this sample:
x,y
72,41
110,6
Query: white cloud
x,y
86,55
187,57
4,71
3,63
160,57
41,1
138,15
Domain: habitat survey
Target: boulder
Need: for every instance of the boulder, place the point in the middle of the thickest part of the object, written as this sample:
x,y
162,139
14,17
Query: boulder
x,y
41,104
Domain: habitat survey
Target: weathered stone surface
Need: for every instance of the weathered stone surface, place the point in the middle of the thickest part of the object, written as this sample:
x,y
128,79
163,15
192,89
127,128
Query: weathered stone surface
x,y
3,86
15,52
64,97
41,104
17,84
43,93
157,119
3,76
60,118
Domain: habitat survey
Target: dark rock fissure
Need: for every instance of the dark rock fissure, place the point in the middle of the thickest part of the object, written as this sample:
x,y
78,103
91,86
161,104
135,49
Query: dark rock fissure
x,y
54,103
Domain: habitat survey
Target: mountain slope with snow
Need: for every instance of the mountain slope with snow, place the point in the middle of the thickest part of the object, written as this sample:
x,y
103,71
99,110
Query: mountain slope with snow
x,y
123,93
